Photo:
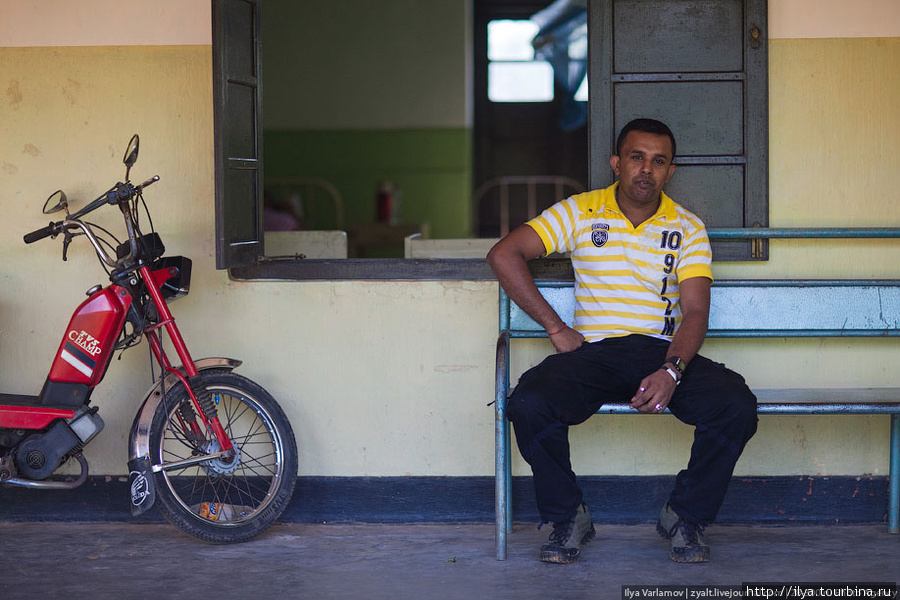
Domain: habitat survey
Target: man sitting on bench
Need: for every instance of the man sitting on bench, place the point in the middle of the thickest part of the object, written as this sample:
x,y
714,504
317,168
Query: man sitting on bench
x,y
642,287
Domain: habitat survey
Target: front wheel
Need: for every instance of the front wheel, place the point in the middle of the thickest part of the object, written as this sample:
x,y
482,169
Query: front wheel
x,y
226,499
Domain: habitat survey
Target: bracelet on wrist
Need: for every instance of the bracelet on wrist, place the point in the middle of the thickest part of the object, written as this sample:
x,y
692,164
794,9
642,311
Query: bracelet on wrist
x,y
671,372
560,330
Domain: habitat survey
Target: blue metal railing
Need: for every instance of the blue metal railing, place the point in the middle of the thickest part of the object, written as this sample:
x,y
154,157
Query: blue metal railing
x,y
749,233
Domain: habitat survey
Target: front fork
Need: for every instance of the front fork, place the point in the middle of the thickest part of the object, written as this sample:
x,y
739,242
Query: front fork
x,y
143,493
204,405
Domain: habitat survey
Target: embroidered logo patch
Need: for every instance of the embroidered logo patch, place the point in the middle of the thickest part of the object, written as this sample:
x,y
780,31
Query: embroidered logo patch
x,y
599,234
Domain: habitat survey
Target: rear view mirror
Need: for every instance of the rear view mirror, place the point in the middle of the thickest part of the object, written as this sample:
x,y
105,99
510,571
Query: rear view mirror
x,y
56,202
131,154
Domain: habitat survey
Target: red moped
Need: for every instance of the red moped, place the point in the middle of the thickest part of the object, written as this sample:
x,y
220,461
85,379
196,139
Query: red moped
x,y
211,449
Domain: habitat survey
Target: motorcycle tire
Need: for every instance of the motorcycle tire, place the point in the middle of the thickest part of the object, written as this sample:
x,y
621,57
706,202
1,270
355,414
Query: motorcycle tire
x,y
225,501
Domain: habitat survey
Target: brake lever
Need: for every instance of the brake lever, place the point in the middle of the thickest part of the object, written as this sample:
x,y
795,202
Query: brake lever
x,y
67,239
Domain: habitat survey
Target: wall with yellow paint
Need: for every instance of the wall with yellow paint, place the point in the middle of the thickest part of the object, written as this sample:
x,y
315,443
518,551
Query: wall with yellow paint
x,y
834,143
388,378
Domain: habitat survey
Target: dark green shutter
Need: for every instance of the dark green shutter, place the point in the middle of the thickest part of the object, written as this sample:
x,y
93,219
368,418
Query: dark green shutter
x,y
700,66
237,89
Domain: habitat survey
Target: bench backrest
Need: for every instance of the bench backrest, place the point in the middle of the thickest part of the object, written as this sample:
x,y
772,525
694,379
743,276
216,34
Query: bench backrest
x,y
759,308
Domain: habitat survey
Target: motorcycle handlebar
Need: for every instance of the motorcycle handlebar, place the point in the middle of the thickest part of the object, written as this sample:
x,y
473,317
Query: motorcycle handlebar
x,y
94,205
121,192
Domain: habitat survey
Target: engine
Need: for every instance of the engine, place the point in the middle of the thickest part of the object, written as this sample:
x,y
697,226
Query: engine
x,y
40,454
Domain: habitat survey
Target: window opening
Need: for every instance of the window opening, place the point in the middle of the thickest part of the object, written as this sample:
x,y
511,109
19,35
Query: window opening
x,y
526,56
514,74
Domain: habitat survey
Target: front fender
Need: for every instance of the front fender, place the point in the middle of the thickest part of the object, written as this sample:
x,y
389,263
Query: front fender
x,y
140,475
139,440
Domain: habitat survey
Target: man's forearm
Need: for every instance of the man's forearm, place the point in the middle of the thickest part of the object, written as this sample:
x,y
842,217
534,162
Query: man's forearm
x,y
695,302
689,338
509,261
514,276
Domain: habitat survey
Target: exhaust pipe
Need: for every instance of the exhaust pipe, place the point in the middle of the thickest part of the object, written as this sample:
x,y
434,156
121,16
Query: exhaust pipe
x,y
54,485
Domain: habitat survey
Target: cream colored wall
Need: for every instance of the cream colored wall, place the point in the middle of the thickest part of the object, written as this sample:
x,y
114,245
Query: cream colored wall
x,y
105,23
375,377
389,378
833,18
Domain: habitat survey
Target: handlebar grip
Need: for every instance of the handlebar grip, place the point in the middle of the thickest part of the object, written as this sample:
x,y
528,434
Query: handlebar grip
x,y
39,234
149,182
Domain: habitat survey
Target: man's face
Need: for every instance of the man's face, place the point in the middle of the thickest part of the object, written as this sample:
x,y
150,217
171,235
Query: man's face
x,y
643,166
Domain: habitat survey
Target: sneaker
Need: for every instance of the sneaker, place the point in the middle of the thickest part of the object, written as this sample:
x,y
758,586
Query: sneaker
x,y
568,537
687,538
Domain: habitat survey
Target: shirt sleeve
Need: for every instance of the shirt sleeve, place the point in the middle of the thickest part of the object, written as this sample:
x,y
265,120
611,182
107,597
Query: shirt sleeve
x,y
696,259
556,226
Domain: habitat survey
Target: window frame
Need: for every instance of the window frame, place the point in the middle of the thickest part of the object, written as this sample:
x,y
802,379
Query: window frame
x,y
261,267
237,90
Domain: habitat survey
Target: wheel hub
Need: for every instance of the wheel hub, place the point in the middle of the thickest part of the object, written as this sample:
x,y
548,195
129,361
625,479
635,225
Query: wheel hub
x,y
221,465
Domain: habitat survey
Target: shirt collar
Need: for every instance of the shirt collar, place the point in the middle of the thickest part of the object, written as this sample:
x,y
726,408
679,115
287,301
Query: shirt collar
x,y
666,205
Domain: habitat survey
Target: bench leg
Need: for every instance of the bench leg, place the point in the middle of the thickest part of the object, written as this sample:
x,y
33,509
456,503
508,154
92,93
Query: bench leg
x,y
894,491
508,477
501,481
502,459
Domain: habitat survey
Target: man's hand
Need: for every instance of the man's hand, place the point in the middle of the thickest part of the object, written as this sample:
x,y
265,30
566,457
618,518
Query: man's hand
x,y
654,393
656,389
566,340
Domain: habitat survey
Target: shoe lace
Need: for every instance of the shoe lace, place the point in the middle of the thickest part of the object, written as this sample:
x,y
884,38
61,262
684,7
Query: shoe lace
x,y
689,531
562,530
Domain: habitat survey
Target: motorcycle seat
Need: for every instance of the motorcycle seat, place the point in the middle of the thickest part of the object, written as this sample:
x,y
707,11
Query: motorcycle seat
x,y
23,400
19,400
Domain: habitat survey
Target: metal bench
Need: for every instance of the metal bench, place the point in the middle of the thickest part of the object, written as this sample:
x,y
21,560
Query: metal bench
x,y
740,309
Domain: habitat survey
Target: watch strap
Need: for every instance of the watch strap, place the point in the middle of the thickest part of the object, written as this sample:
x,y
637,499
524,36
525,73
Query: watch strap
x,y
677,362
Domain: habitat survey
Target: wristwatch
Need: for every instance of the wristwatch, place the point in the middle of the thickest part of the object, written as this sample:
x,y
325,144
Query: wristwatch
x,y
677,362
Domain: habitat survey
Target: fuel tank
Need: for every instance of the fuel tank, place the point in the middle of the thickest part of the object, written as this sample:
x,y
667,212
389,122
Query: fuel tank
x,y
89,341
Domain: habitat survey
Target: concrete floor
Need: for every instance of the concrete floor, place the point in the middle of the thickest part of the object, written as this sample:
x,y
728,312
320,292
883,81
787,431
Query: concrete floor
x,y
416,562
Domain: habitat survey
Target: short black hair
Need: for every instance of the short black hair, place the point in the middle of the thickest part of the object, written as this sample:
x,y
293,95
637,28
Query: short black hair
x,y
645,126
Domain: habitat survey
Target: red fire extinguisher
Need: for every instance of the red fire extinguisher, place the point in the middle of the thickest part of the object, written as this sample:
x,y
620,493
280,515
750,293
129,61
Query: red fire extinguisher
x,y
385,202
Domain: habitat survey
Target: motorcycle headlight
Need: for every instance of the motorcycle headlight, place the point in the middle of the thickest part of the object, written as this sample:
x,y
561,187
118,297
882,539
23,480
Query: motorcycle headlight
x,y
179,284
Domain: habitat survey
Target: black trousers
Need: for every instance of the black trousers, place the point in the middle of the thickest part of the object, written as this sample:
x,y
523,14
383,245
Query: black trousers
x,y
566,389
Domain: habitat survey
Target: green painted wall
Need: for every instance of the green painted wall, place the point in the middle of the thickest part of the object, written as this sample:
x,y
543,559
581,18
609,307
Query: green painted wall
x,y
431,167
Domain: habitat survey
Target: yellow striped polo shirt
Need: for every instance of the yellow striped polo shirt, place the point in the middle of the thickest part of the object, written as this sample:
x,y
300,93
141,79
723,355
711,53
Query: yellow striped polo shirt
x,y
626,278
